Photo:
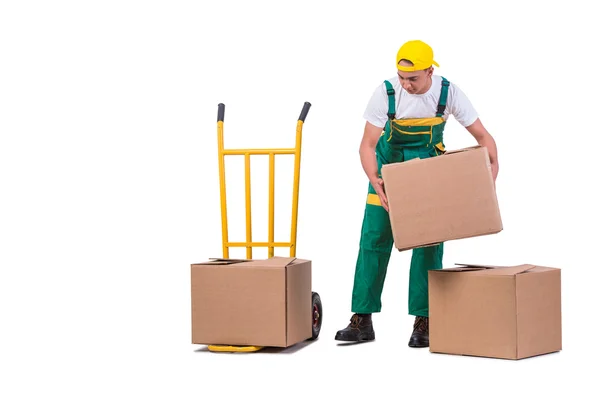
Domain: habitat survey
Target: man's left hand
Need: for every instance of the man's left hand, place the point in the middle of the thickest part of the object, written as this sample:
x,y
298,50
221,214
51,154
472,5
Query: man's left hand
x,y
495,170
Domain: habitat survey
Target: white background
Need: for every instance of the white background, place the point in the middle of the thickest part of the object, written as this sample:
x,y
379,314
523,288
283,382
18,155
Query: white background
x,y
109,186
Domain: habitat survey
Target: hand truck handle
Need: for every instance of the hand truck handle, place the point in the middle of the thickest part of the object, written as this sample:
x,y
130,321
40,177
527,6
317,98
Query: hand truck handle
x,y
221,113
304,111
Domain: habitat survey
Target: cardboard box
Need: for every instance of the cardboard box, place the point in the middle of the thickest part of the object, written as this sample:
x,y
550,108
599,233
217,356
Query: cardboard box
x,y
448,197
499,312
251,302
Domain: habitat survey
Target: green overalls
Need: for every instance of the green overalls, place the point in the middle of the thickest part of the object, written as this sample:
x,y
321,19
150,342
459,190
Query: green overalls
x,y
401,140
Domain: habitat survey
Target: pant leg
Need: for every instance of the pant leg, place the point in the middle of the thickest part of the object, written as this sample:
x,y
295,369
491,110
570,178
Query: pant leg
x,y
423,259
373,257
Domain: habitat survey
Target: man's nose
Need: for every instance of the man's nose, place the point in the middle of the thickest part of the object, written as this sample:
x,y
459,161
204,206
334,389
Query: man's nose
x,y
406,85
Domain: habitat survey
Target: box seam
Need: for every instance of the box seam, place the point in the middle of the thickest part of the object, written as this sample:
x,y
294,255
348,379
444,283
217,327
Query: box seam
x,y
286,294
516,318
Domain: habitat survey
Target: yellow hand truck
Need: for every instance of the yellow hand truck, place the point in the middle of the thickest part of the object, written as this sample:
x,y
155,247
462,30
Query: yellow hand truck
x,y
317,307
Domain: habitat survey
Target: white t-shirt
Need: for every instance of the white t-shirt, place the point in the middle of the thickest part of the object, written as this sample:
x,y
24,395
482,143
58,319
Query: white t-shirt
x,y
420,105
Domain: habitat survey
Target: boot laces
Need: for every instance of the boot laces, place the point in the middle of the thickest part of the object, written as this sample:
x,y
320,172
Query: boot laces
x,y
421,324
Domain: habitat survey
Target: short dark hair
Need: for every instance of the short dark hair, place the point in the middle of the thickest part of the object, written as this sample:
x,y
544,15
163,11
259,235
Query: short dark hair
x,y
411,63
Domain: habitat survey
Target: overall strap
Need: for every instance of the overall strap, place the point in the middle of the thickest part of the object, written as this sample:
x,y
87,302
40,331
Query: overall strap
x,y
391,100
443,97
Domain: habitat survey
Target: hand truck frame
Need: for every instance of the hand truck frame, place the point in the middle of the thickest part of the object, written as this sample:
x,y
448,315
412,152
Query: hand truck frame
x,y
249,244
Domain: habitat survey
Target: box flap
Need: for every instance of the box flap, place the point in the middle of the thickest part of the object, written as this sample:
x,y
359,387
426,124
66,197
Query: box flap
x,y
275,262
481,269
448,152
464,267
221,261
506,271
481,266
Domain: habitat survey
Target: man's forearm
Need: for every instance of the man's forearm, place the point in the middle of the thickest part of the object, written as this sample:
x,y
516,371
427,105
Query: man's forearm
x,y
489,142
484,139
368,160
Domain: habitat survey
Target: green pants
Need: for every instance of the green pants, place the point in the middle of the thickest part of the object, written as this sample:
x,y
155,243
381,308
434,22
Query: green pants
x,y
376,244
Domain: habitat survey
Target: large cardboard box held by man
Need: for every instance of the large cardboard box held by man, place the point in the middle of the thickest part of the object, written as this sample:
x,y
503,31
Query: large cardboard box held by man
x,y
448,197
499,312
251,302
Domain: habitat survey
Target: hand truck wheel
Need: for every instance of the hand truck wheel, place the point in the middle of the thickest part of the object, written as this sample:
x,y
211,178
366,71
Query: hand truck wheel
x,y
317,315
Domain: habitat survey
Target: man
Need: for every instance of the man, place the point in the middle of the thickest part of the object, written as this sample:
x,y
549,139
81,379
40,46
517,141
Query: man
x,y
406,117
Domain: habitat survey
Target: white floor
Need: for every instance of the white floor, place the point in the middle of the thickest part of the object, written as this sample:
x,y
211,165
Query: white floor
x,y
109,187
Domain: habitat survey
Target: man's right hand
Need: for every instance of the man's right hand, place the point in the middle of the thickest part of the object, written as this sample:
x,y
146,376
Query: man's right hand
x,y
378,186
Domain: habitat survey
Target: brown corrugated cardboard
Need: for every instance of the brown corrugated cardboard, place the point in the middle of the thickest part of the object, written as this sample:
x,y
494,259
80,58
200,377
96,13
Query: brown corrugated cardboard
x,y
251,302
501,312
443,198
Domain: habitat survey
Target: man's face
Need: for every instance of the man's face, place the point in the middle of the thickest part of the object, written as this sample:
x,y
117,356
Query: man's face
x,y
415,82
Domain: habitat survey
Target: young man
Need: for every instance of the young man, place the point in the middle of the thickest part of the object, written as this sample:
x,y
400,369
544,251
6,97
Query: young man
x,y
406,117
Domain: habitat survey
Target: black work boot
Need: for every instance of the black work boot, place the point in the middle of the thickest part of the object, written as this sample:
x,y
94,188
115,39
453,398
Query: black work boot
x,y
360,329
420,335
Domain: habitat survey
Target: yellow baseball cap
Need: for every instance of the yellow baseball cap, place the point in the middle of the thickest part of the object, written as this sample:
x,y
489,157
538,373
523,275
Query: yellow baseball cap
x,y
417,52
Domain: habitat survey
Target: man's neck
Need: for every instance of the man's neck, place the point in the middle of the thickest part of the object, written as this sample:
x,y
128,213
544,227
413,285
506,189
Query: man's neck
x,y
426,88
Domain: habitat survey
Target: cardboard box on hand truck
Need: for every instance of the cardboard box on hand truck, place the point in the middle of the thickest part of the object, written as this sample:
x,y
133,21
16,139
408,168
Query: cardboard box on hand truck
x,y
251,302
448,197
498,312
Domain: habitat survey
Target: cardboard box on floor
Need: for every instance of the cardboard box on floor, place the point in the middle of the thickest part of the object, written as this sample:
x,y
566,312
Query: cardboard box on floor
x,y
251,302
448,197
499,312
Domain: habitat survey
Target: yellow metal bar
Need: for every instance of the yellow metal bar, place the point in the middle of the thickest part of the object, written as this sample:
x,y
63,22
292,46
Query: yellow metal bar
x,y
223,191
296,188
258,244
241,152
271,203
296,151
233,349
248,209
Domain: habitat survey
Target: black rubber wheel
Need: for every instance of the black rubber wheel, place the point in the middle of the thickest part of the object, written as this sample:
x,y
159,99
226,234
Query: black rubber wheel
x,y
317,315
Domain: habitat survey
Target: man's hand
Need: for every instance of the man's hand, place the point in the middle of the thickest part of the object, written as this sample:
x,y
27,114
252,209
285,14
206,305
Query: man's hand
x,y
378,186
494,170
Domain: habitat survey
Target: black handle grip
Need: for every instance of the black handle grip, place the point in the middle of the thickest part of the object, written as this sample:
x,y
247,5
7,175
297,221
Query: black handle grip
x,y
221,113
304,111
